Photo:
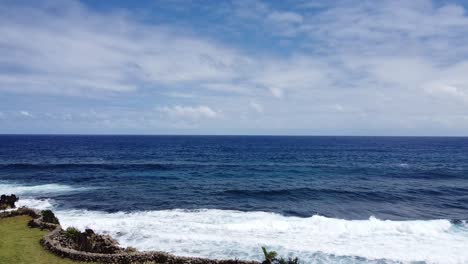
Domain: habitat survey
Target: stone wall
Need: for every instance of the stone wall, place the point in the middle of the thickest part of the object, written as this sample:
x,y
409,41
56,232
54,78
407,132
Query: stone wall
x,y
134,257
20,211
49,243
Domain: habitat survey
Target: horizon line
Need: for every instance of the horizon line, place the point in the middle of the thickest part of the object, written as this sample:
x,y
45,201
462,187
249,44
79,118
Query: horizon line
x,y
228,135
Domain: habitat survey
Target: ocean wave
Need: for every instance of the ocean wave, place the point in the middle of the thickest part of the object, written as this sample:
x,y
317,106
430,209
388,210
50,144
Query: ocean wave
x,y
166,165
106,166
40,204
233,234
318,193
410,171
20,189
225,234
170,164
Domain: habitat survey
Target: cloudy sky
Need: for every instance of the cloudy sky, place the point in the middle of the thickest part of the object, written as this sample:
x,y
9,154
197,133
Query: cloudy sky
x,y
234,67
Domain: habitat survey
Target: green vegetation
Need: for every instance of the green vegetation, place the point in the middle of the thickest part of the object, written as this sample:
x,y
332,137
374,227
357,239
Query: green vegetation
x,y
271,257
20,244
49,217
8,201
72,233
130,250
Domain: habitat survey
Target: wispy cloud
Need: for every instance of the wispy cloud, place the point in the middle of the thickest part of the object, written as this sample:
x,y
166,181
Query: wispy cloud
x,y
191,112
256,106
25,113
448,90
317,68
285,17
81,51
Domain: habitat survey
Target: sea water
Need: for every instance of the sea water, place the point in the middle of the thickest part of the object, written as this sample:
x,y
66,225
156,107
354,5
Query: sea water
x,y
322,199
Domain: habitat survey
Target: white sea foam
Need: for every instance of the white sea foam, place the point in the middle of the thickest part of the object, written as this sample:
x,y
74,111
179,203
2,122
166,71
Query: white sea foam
x,y
30,191
41,204
27,193
20,189
234,234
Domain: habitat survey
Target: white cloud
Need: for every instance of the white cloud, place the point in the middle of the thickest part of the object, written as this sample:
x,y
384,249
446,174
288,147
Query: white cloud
x,y
25,113
448,90
276,92
338,108
243,89
404,71
297,73
256,106
285,17
180,95
400,64
77,52
191,112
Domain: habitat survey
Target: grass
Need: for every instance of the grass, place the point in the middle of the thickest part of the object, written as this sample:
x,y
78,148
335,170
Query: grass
x,y
20,244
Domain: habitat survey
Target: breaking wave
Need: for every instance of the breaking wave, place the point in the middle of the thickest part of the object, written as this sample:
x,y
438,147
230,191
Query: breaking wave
x,y
225,234
41,204
20,189
234,234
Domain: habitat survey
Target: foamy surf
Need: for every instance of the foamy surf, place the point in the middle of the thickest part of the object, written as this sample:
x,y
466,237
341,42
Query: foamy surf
x,y
41,204
20,189
234,234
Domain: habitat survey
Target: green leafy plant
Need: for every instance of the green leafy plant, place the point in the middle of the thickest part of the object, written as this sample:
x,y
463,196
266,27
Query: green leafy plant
x,y
72,233
130,250
271,257
49,217
288,261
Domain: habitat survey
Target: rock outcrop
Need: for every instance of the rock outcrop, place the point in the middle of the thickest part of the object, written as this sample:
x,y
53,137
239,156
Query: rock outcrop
x,y
91,247
21,211
8,201
49,217
88,241
57,244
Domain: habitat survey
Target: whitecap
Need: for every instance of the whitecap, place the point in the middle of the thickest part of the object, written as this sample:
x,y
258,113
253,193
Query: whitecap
x,y
40,204
21,189
317,239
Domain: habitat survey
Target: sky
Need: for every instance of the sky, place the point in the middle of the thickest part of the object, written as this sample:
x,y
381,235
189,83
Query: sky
x,y
247,67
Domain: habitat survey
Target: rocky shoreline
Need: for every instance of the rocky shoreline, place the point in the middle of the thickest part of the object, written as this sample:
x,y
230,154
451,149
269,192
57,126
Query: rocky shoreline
x,y
62,243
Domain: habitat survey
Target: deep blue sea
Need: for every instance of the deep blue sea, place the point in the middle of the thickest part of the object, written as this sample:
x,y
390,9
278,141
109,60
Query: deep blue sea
x,y
324,199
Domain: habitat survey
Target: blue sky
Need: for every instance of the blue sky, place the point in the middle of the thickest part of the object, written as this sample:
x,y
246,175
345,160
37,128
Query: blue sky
x,y
234,67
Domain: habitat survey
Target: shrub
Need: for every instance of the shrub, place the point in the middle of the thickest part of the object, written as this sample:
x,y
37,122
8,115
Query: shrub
x,y
72,233
49,217
8,201
288,261
32,224
130,250
271,257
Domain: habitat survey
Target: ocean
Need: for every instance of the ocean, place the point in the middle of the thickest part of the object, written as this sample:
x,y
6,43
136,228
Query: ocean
x,y
322,199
